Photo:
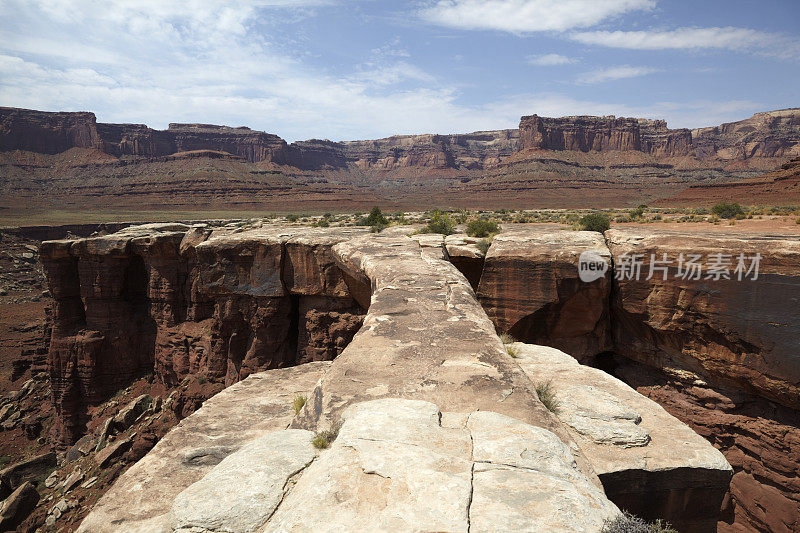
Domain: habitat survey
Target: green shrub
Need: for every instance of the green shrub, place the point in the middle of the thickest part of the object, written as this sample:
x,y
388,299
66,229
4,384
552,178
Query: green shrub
x,y
596,221
797,221
628,523
727,210
292,217
323,439
298,403
547,396
321,223
482,227
512,351
439,223
374,218
484,244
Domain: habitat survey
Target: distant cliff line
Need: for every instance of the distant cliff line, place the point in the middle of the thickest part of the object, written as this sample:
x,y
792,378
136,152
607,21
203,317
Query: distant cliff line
x,y
768,134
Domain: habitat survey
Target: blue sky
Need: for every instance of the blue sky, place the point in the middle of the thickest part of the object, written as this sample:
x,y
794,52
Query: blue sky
x,y
344,70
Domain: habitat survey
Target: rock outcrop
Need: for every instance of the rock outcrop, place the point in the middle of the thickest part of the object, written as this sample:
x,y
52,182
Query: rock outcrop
x,y
178,300
767,134
602,134
531,289
639,451
47,133
433,415
721,352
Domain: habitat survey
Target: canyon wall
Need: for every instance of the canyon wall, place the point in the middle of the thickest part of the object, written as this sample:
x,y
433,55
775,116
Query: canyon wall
x,y
718,352
602,134
167,299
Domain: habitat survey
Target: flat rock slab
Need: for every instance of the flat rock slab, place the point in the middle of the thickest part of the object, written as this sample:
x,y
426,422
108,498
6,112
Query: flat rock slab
x,y
245,488
644,456
140,500
402,465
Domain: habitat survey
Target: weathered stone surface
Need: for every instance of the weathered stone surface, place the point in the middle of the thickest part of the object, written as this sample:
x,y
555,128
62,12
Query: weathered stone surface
x,y
128,414
182,300
18,506
649,462
465,255
530,289
742,333
140,499
397,466
245,488
424,337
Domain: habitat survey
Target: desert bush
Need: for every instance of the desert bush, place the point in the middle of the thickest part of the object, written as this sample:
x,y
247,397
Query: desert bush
x,y
547,396
298,403
727,210
797,221
484,244
628,523
323,439
482,227
374,218
506,338
292,217
321,223
439,223
597,221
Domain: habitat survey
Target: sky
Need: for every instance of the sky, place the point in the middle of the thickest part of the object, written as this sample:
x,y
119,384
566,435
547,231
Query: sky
x,y
346,70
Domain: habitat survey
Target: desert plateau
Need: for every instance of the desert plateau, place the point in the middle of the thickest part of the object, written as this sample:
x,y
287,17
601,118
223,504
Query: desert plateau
x,y
444,265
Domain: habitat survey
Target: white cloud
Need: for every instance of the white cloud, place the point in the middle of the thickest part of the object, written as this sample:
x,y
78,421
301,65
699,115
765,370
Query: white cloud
x,y
550,60
681,38
614,73
522,16
727,38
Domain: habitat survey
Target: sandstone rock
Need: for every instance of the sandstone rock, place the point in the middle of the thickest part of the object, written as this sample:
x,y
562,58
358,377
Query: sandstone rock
x,y
26,470
465,255
141,497
722,329
18,506
649,462
424,337
72,480
244,489
131,412
531,289
83,447
395,467
104,457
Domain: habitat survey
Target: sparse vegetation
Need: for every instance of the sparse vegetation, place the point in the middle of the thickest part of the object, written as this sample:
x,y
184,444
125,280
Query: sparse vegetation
x,y
513,352
628,523
292,217
323,439
797,221
507,339
547,396
484,244
376,220
482,227
727,210
439,223
4,460
298,403
597,221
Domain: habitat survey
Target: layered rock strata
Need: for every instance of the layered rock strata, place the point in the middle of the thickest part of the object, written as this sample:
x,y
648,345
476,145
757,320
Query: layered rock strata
x,y
530,288
722,351
176,300
495,457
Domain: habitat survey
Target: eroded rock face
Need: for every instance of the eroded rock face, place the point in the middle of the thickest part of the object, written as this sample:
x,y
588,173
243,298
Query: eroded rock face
x,y
178,300
602,134
530,288
649,462
141,499
743,333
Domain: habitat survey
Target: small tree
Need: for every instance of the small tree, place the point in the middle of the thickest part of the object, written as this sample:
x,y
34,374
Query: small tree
x,y
375,219
727,210
597,221
482,227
